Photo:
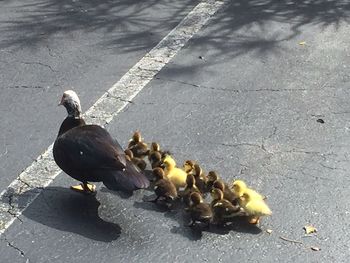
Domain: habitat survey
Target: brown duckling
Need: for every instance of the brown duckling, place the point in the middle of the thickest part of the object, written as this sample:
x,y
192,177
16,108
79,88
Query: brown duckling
x,y
140,163
155,159
211,178
228,194
223,210
135,139
189,189
199,210
189,166
155,147
201,179
140,149
163,187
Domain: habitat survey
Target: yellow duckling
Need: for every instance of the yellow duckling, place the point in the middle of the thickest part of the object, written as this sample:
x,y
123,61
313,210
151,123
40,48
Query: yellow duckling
x,y
254,207
239,187
175,174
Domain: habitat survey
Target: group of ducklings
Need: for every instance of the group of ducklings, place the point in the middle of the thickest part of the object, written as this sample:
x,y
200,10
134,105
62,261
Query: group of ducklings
x,y
191,184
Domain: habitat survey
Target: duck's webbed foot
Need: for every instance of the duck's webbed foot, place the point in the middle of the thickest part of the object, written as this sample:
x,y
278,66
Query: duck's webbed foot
x,y
85,188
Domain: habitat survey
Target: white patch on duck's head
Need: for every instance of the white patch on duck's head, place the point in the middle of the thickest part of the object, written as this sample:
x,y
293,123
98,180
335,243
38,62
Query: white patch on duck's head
x,y
71,102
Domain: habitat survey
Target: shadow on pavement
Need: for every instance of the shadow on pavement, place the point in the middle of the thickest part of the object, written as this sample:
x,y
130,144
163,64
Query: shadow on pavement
x,y
42,19
126,24
65,210
176,212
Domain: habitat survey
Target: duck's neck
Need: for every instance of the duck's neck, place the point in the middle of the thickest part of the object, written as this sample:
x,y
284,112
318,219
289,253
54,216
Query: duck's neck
x,y
70,123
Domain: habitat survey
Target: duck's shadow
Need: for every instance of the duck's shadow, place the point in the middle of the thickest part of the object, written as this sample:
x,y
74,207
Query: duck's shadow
x,y
177,213
66,210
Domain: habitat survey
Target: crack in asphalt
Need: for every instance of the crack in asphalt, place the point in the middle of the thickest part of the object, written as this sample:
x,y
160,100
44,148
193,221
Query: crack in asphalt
x,y
24,87
261,147
118,98
10,244
39,63
230,90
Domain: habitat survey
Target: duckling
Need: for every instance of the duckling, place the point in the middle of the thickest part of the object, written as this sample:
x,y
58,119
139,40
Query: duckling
x,y
228,194
199,210
189,166
211,178
163,187
223,210
254,206
174,174
201,179
155,148
239,187
155,158
189,189
135,139
140,163
140,149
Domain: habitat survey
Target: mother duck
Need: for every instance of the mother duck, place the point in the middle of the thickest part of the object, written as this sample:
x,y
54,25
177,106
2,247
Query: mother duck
x,y
88,153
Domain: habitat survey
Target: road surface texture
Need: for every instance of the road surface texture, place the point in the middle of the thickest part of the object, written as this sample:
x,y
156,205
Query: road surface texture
x,y
246,97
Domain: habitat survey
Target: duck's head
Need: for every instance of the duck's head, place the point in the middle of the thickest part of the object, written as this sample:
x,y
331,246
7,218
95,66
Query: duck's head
x,y
212,176
246,197
239,187
188,166
155,147
216,194
196,198
169,162
71,102
156,156
158,173
136,137
219,185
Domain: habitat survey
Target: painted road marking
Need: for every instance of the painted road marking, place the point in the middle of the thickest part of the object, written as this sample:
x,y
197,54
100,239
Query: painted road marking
x,y
29,184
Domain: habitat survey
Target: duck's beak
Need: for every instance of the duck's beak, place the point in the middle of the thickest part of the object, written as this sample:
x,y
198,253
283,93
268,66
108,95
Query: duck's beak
x,y
61,102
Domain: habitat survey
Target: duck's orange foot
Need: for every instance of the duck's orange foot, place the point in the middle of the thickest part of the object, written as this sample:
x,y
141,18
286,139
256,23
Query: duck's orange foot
x,y
84,188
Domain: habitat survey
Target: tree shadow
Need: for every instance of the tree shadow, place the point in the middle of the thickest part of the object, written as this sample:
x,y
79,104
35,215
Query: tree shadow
x,y
66,210
128,25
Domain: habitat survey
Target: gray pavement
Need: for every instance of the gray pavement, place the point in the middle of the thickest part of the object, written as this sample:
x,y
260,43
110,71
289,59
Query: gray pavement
x,y
243,98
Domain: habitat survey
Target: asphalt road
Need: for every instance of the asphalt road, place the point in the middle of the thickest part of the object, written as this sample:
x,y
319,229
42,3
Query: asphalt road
x,y
243,97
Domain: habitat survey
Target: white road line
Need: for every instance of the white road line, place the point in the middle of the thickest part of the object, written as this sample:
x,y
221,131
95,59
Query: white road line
x,y
23,190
